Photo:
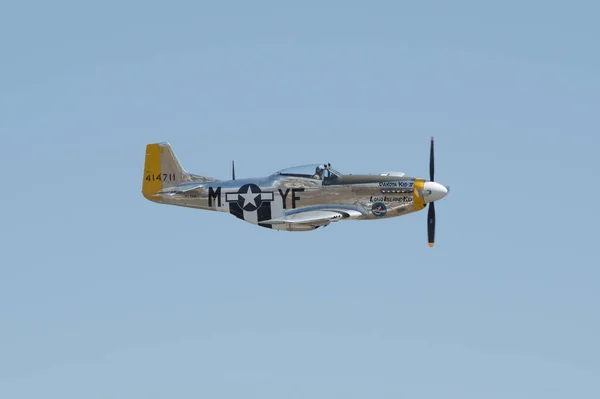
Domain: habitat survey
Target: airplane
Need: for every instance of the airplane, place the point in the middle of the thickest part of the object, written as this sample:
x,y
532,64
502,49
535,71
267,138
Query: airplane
x,y
300,198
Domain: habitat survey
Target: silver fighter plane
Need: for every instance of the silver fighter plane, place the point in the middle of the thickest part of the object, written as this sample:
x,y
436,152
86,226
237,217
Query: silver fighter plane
x,y
300,198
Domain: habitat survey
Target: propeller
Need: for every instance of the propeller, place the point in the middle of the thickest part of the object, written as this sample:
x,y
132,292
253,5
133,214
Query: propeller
x,y
431,211
431,224
431,161
232,170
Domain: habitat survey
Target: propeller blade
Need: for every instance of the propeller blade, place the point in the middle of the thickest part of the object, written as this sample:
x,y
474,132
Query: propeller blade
x,y
431,161
431,224
232,170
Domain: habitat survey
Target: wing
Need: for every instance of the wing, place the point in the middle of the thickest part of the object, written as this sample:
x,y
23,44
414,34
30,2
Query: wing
x,y
319,215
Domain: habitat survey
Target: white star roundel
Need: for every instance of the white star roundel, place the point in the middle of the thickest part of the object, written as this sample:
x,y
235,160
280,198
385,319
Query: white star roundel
x,y
249,197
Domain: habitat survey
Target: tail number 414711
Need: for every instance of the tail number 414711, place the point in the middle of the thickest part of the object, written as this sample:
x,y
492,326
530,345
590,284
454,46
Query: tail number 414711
x,y
161,177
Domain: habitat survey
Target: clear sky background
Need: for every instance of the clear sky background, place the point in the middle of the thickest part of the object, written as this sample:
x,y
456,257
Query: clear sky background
x,y
106,295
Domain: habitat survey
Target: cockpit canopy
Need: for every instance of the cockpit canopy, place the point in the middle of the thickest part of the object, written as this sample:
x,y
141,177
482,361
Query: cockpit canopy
x,y
311,171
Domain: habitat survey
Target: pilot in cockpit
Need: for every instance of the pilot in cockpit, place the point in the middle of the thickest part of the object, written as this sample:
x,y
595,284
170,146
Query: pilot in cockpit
x,y
320,171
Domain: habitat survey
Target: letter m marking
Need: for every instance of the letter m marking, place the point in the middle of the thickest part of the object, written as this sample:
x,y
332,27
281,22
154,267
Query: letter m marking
x,y
214,194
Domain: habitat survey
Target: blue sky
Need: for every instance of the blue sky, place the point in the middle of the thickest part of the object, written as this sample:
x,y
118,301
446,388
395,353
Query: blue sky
x,y
104,294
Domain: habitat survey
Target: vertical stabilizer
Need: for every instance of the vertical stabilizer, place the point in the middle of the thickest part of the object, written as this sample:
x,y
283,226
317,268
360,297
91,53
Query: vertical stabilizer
x,y
161,170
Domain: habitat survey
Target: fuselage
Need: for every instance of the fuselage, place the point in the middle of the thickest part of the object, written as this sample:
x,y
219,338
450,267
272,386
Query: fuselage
x,y
259,199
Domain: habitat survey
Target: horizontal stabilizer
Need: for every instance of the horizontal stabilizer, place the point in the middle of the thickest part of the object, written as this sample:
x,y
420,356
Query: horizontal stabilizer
x,y
183,188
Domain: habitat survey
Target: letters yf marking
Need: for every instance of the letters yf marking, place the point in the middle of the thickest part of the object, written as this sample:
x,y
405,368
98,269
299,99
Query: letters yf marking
x,y
294,196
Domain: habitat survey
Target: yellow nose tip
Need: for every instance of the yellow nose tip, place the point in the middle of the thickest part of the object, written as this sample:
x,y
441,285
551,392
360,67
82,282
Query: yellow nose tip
x,y
431,245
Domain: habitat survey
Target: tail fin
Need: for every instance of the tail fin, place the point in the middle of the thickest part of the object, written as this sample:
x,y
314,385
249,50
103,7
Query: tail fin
x,y
161,170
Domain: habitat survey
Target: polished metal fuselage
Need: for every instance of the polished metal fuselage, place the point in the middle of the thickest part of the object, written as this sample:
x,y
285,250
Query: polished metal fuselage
x,y
369,196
